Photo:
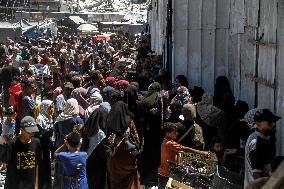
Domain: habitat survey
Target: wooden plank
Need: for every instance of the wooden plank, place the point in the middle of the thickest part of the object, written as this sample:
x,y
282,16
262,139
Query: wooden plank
x,y
267,55
209,14
248,60
280,79
223,13
194,14
208,57
237,17
252,7
194,57
221,57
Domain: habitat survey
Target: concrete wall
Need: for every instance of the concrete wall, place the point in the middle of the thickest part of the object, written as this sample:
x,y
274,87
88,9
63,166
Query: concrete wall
x,y
241,39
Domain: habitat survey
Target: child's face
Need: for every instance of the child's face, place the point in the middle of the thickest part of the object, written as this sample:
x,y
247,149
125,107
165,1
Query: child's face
x,y
10,118
217,147
172,135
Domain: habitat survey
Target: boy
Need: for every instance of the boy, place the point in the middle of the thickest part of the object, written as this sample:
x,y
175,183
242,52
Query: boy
x,y
8,127
169,150
24,154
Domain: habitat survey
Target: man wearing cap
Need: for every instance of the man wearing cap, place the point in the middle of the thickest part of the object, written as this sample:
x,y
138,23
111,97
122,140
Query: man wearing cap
x,y
260,147
25,153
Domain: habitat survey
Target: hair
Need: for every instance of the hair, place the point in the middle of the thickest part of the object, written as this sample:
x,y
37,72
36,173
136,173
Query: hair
x,y
46,78
182,80
74,137
215,140
170,127
95,75
76,81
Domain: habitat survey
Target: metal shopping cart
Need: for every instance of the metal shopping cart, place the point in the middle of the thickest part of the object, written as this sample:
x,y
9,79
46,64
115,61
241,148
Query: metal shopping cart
x,y
226,179
192,171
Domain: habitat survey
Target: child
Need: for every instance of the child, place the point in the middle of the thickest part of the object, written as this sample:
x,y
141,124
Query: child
x,y
169,150
220,151
72,162
8,126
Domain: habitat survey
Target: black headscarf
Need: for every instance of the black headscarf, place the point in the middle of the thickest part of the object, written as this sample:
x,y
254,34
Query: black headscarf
x,y
118,118
131,97
222,86
96,121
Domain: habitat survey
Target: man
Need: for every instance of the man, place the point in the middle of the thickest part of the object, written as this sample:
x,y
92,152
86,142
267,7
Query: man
x,y
260,148
260,182
28,102
6,76
25,153
47,88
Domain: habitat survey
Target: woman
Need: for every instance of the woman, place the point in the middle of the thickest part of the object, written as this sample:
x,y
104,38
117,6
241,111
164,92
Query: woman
x,y
94,144
73,162
151,112
122,163
66,121
95,100
45,125
183,97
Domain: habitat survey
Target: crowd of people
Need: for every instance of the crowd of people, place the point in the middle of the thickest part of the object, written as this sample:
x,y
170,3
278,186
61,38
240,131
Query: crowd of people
x,y
107,114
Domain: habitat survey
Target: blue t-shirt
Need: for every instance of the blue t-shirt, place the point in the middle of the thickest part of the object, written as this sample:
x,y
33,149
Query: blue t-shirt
x,y
69,162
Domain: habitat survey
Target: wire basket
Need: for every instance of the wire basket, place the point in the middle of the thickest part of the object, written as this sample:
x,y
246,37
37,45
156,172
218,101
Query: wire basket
x,y
226,179
198,163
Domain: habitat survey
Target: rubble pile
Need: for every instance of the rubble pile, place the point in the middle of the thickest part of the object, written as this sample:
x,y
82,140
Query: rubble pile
x,y
134,12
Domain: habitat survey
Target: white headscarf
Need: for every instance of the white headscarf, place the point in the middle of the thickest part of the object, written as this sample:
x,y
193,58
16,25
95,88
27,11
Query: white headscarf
x,y
44,119
95,100
71,109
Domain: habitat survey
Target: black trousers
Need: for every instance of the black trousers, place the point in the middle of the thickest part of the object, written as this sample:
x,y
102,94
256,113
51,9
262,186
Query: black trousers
x,y
162,182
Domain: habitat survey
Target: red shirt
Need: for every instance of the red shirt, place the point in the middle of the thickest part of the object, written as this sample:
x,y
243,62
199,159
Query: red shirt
x,y
18,104
13,90
169,150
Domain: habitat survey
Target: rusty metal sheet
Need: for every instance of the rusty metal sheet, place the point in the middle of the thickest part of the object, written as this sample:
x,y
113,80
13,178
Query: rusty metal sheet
x,y
237,17
248,61
252,7
267,54
234,64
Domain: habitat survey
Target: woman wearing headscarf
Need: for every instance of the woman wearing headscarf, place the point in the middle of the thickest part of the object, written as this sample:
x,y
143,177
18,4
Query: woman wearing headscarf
x,y
151,111
45,125
93,135
212,119
80,94
222,87
191,134
66,121
122,162
131,97
182,97
65,124
95,100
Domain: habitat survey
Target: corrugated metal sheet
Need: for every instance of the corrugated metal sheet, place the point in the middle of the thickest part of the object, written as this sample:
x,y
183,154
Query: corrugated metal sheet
x,y
241,39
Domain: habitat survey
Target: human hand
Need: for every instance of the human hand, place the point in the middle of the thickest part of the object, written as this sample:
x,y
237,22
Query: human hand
x,y
230,151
